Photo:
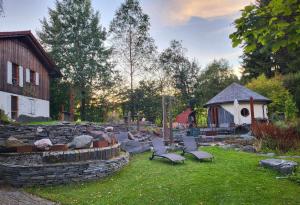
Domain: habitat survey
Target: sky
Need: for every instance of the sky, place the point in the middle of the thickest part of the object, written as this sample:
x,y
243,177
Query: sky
x,y
203,26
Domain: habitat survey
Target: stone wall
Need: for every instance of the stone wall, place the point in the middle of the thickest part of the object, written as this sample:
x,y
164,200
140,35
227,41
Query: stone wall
x,y
58,134
60,173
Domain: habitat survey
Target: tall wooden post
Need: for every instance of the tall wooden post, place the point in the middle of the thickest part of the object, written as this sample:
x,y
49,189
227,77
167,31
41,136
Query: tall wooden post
x,y
62,115
138,121
164,117
71,104
170,120
252,111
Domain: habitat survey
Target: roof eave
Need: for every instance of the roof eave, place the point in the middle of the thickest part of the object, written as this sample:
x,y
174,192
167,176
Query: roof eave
x,y
52,68
267,101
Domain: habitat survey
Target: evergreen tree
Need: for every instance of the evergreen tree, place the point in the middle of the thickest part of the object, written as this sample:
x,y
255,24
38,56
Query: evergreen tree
x,y
75,40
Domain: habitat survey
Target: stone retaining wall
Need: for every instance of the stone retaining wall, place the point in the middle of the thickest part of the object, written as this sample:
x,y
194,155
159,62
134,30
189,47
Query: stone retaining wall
x,y
58,134
105,153
60,173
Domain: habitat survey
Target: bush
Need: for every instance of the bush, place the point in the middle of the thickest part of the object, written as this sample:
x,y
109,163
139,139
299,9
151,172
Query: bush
x,y
270,136
3,118
282,100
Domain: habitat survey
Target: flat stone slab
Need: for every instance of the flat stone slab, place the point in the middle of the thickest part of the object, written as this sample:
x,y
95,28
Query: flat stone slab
x,y
12,196
285,167
135,147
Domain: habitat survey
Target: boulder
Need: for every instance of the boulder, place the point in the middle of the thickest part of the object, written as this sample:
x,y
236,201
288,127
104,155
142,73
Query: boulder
x,y
81,142
43,144
134,147
248,148
109,129
285,167
13,142
100,135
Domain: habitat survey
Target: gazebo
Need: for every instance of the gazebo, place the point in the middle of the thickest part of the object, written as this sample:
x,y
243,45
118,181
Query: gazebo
x,y
232,107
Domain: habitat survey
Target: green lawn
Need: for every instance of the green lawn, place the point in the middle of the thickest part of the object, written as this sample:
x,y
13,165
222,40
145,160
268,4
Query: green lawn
x,y
233,178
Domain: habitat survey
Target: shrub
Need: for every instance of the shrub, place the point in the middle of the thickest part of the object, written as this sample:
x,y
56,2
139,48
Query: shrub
x,y
273,88
270,136
3,118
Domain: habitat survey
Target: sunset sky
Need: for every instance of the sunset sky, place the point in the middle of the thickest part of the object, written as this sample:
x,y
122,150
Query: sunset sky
x,y
202,25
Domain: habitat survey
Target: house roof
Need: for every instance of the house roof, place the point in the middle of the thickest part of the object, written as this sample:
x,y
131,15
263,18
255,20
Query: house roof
x,y
183,117
33,43
236,91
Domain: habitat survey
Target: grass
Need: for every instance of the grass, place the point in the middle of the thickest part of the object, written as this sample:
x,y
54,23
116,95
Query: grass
x,y
233,178
42,123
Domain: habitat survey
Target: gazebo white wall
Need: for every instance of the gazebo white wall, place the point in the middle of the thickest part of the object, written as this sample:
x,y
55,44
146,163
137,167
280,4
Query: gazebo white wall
x,y
260,111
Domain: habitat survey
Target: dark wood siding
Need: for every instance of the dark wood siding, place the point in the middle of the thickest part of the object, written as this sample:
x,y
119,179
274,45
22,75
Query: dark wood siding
x,y
15,51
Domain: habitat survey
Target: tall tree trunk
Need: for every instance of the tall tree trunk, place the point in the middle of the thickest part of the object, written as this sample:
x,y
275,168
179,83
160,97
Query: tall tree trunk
x,y
131,74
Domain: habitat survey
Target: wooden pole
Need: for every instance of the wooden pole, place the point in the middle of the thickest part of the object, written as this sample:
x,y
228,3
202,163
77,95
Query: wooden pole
x,y
252,110
170,120
71,104
164,117
138,121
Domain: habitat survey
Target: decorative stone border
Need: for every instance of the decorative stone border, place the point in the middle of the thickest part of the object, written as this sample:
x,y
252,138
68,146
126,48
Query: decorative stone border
x,y
61,173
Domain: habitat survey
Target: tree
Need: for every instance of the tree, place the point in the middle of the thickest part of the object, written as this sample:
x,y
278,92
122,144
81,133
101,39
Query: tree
x,y
269,33
75,40
282,100
292,83
132,44
216,77
181,71
147,100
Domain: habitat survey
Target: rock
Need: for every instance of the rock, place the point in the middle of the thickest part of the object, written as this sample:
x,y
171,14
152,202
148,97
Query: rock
x,y
134,147
13,142
81,142
109,129
130,136
271,154
39,129
230,146
285,167
248,148
247,136
43,144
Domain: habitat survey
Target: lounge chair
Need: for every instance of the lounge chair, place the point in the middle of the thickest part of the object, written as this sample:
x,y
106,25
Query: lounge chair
x,y
161,151
190,147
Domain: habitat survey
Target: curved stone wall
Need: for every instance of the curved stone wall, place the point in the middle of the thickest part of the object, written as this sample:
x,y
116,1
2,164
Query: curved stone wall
x,y
60,173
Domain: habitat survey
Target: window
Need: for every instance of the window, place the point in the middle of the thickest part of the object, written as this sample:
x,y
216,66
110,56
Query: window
x,y
15,74
245,112
32,77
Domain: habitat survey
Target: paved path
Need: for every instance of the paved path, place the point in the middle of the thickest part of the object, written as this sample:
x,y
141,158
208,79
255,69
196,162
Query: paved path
x,y
12,196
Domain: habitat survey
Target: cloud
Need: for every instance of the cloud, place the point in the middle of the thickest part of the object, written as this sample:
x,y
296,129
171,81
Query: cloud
x,y
176,12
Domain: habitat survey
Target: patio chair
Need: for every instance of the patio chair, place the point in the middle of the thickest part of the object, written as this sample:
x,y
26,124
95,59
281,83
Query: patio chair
x,y
159,150
190,147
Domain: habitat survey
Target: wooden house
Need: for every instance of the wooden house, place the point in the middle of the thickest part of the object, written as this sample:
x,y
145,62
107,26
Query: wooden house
x,y
25,72
232,107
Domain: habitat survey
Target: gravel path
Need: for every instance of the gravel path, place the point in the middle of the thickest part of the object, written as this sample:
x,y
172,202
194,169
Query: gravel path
x,y
12,196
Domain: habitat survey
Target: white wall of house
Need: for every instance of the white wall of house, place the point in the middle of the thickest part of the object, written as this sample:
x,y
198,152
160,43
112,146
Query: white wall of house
x,y
32,107
260,111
